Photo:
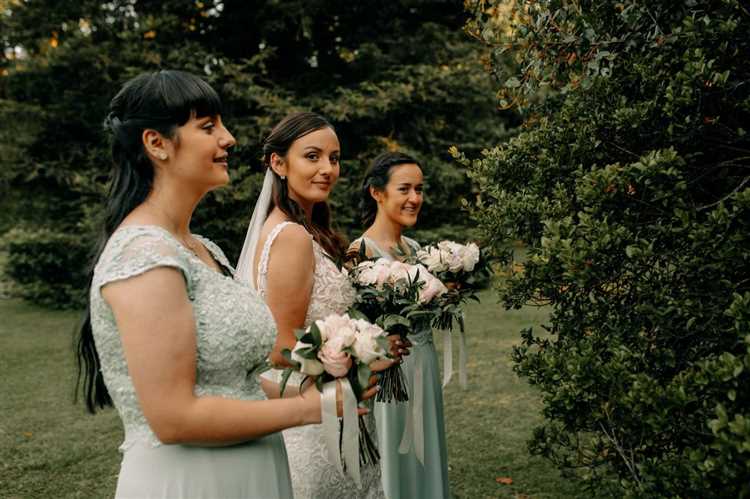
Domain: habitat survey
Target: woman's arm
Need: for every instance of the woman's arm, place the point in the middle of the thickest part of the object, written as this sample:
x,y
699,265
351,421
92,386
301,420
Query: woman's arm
x,y
157,329
289,283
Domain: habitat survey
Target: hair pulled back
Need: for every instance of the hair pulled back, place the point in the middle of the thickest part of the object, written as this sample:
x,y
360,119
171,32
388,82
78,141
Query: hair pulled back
x,y
279,141
377,177
161,101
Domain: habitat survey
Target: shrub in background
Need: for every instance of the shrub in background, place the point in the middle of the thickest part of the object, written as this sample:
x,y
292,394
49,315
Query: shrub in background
x,y
629,185
45,266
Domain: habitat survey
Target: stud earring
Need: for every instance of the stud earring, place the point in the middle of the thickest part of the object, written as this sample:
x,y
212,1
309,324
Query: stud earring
x,y
162,156
283,177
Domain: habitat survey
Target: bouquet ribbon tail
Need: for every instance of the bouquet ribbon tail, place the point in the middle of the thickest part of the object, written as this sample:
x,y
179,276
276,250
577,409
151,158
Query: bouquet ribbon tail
x,y
448,358
462,359
350,432
414,428
330,423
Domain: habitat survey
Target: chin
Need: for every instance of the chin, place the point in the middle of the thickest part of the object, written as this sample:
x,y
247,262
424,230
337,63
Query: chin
x,y
220,183
408,221
318,197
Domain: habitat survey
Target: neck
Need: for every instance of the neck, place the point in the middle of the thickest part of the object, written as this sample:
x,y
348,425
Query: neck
x,y
173,207
385,231
306,205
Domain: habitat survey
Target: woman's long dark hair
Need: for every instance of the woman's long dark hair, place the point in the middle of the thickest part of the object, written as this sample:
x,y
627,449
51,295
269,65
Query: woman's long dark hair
x,y
161,101
279,141
377,177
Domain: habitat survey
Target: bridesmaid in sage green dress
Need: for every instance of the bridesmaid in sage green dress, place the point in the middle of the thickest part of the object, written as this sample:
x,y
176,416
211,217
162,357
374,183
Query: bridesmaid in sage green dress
x,y
411,435
170,339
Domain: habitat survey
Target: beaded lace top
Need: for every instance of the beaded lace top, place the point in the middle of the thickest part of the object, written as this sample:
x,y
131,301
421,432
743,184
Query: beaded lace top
x,y
234,327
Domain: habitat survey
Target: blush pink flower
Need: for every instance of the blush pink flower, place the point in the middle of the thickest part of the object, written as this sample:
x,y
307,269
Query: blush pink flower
x,y
335,360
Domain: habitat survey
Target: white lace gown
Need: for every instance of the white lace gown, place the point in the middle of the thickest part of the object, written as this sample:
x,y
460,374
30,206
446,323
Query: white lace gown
x,y
314,475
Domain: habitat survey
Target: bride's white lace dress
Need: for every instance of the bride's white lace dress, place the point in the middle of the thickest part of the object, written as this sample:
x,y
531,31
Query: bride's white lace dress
x,y
314,476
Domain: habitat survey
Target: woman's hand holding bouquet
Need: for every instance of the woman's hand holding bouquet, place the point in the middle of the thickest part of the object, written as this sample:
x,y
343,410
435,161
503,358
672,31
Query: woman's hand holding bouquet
x,y
335,353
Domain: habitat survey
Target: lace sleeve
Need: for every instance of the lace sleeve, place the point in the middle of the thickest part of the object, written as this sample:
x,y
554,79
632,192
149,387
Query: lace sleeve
x,y
131,251
217,253
413,245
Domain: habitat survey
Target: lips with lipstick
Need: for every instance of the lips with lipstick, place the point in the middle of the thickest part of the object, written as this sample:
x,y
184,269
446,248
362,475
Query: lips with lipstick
x,y
322,184
222,160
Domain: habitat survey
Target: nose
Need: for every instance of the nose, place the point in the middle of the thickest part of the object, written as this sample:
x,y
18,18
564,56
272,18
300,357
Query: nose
x,y
227,140
326,167
415,197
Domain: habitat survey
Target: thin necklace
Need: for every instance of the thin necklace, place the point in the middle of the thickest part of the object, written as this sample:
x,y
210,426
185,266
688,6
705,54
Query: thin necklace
x,y
185,243
190,246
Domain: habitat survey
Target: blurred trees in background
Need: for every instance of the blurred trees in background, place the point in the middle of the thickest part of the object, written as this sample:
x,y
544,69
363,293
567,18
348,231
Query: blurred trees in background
x,y
398,74
630,187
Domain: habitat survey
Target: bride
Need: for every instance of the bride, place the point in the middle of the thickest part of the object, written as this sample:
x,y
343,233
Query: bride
x,y
288,256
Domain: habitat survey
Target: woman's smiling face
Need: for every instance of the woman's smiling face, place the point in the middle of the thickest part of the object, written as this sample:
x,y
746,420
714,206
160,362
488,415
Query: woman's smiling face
x,y
401,199
311,166
200,151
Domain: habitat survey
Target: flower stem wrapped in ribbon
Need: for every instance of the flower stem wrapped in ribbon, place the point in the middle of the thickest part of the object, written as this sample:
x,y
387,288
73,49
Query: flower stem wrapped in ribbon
x,y
335,350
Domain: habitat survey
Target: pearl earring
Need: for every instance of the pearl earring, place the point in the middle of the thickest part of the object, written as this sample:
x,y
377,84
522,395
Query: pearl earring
x,y
162,156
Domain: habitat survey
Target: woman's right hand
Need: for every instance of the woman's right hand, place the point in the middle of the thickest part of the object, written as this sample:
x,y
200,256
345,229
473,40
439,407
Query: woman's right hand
x,y
313,400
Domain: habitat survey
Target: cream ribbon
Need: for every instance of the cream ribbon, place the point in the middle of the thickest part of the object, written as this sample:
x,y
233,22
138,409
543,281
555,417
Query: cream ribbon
x,y
414,425
413,435
448,358
350,433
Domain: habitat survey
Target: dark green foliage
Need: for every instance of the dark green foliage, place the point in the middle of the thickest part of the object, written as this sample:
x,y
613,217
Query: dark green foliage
x,y
45,266
629,186
398,74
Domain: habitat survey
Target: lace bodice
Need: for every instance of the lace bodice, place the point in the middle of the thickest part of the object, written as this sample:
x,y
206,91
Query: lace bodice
x,y
314,476
234,328
331,293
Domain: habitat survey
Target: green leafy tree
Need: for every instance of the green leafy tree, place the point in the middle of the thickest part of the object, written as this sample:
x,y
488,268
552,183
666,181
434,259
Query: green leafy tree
x,y
389,75
629,185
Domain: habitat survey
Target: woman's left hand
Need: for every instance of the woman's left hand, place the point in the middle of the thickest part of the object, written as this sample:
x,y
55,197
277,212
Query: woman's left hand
x,y
399,348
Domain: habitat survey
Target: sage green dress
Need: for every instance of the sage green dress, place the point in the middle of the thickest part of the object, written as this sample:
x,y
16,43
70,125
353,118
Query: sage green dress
x,y
403,475
234,333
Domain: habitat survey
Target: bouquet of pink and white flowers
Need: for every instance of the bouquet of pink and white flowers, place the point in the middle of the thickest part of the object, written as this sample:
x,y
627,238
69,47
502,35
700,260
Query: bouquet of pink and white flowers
x,y
336,347
400,298
340,348
461,268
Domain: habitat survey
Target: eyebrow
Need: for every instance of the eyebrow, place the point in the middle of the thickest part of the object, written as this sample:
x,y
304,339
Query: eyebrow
x,y
318,149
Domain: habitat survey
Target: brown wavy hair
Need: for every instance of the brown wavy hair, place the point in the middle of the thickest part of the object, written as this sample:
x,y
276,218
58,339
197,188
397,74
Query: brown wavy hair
x,y
279,141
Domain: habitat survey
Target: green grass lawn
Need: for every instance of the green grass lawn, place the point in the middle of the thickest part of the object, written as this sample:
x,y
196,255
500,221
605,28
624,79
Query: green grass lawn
x,y
52,448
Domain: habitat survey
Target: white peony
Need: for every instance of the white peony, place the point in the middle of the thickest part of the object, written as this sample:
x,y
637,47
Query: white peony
x,y
340,328
310,367
432,258
366,347
470,256
375,273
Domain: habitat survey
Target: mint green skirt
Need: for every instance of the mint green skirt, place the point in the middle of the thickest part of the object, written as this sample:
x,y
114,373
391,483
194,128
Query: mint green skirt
x,y
403,475
256,469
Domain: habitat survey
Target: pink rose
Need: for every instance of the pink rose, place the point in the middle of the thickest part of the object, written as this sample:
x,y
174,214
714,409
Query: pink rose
x,y
335,361
432,288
